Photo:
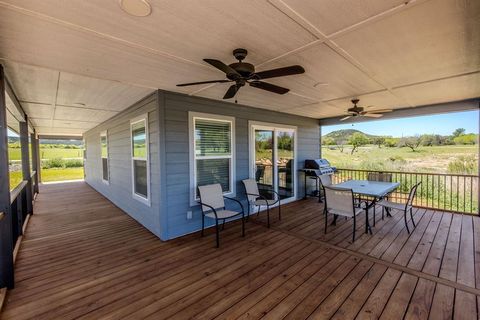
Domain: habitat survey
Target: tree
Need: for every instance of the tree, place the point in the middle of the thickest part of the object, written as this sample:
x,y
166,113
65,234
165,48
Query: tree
x,y
357,140
390,142
328,141
340,142
470,138
410,142
379,141
458,132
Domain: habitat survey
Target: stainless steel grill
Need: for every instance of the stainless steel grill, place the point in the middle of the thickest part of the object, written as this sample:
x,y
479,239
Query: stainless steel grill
x,y
313,169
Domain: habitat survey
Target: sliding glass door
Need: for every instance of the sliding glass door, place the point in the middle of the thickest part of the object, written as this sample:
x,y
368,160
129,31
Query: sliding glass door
x,y
273,159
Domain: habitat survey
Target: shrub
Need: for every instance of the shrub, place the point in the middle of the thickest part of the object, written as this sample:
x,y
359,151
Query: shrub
x,y
464,165
73,163
53,163
466,139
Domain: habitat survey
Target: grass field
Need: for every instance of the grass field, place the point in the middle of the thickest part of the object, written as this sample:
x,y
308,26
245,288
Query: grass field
x,y
51,174
433,159
61,174
48,153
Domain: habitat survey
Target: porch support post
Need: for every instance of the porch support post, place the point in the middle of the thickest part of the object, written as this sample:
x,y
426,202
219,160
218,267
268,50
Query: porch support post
x,y
35,160
6,243
26,163
320,139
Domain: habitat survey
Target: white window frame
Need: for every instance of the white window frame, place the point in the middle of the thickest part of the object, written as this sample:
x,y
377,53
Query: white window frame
x,y
139,197
275,127
193,163
105,134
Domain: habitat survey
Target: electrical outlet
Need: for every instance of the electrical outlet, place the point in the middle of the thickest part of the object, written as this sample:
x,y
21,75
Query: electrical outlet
x,y
189,215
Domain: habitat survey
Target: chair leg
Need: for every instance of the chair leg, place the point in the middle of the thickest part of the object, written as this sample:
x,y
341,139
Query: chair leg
x,y
223,224
258,212
248,209
354,227
217,233
406,223
268,216
279,211
383,212
411,216
243,225
203,223
326,221
374,216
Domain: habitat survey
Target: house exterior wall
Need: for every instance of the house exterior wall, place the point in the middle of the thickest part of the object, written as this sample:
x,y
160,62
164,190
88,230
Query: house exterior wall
x,y
119,188
170,157
175,110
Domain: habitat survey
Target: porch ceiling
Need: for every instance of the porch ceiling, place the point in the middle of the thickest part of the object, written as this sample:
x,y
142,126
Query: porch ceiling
x,y
75,64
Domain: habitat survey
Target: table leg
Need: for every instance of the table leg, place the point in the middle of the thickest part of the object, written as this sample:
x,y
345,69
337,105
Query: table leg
x,y
367,224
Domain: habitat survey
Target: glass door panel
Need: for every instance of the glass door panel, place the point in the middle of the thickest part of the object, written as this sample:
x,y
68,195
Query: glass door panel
x,y
264,158
285,163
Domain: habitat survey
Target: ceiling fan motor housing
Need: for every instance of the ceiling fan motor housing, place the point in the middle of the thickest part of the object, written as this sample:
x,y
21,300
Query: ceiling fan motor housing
x,y
245,69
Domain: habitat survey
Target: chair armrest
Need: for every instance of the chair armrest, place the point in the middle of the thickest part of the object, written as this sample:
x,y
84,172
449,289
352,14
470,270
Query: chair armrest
x,y
206,205
271,190
235,200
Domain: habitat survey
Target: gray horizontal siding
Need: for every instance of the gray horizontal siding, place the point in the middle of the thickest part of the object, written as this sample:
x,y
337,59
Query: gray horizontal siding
x,y
169,156
119,189
176,109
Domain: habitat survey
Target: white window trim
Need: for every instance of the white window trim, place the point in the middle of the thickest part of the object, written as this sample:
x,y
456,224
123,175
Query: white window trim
x,y
192,116
105,134
141,198
252,125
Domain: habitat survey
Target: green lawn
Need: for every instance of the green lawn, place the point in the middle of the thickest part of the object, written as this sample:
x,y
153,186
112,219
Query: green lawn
x,y
434,159
61,174
15,179
49,175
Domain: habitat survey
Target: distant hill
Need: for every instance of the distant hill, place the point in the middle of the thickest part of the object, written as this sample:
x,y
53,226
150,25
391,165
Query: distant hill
x,y
345,134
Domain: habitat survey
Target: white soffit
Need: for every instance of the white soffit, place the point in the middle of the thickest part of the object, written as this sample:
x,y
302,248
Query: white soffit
x,y
68,103
329,75
254,97
332,16
440,91
434,39
389,53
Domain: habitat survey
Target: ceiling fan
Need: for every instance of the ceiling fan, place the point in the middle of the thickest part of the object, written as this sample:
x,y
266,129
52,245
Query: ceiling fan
x,y
242,73
357,111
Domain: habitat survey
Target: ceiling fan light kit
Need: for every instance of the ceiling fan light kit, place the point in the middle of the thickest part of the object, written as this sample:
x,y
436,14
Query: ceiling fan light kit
x,y
243,73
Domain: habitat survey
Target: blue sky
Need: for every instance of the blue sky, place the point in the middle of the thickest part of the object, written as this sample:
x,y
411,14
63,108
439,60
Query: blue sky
x,y
443,124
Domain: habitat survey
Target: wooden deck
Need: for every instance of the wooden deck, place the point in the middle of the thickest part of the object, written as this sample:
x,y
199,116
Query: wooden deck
x,y
84,258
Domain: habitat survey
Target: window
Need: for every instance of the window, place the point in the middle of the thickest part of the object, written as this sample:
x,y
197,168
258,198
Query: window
x,y
211,152
104,146
140,155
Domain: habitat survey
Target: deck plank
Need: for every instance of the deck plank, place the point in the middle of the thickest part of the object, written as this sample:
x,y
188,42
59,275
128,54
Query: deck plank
x,y
83,258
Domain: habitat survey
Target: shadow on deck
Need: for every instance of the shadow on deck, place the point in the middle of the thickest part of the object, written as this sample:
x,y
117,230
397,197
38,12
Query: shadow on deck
x,y
82,257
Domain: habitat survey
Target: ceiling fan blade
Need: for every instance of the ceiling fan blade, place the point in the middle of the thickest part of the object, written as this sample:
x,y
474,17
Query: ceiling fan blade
x,y
201,82
231,92
280,72
345,118
223,67
373,115
380,110
269,87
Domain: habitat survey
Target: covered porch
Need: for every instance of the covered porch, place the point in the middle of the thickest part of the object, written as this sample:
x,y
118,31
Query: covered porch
x,y
82,257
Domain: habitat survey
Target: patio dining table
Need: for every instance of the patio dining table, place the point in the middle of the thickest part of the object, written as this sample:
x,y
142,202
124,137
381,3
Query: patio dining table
x,y
374,189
